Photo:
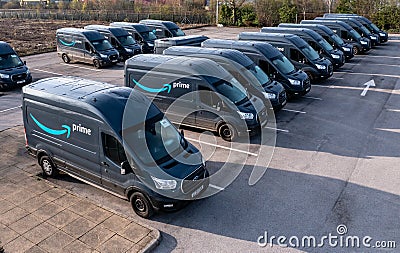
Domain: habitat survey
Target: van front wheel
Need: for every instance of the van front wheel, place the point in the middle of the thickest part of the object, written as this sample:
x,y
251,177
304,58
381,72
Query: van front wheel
x,y
96,64
141,205
49,170
65,58
227,132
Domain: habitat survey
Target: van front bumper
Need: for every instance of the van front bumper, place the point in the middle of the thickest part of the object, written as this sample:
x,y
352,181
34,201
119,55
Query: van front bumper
x,y
8,83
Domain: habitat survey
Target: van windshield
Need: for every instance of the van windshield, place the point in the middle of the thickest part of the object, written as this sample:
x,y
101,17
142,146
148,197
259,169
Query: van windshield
x,y
337,39
259,74
374,27
161,138
126,40
10,61
365,30
283,64
233,90
148,36
325,45
177,32
102,45
309,52
355,34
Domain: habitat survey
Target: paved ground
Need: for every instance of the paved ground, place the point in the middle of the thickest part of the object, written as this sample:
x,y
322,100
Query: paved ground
x,y
37,216
336,163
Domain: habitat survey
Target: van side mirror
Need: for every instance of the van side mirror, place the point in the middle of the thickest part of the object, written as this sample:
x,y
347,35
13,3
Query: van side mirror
x,y
182,133
219,104
24,62
125,168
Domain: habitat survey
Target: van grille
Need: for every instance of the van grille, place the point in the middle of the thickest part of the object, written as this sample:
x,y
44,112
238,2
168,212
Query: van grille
x,y
113,57
18,77
194,180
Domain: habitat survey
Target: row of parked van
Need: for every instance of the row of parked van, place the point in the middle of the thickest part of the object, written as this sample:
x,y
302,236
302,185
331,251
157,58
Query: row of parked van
x,y
116,139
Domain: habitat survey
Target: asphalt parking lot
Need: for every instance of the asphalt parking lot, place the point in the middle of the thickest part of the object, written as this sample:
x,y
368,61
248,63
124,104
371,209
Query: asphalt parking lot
x,y
335,163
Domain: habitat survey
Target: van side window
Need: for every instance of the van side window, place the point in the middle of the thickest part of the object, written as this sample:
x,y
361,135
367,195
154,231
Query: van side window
x,y
113,149
137,37
267,68
88,47
345,35
113,42
208,96
296,55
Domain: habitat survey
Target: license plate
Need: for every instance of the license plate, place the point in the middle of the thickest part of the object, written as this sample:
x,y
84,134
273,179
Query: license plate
x,y
197,191
308,88
19,82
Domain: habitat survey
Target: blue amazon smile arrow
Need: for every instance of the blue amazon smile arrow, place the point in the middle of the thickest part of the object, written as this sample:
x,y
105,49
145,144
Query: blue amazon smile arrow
x,y
67,129
166,87
71,44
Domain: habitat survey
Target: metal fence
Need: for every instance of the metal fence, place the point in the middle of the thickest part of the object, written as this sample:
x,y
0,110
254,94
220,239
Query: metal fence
x,y
183,18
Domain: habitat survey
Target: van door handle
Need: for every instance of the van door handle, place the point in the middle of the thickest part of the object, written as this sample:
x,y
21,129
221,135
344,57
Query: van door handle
x,y
105,164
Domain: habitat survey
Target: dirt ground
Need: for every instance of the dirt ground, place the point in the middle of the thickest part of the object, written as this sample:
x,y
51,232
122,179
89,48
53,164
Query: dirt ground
x,y
29,36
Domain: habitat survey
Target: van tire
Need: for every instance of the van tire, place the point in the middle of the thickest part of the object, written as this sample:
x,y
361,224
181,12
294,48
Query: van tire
x,y
96,64
65,58
48,168
227,132
141,205
355,50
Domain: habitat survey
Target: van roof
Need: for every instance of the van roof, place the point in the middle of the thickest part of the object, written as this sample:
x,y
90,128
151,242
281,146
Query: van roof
x,y
168,24
178,64
259,46
182,40
323,28
308,31
5,48
90,97
116,31
138,27
89,34
273,37
231,54
321,22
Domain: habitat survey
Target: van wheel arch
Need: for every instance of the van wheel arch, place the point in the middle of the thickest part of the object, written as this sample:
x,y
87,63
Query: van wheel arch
x,y
226,126
141,203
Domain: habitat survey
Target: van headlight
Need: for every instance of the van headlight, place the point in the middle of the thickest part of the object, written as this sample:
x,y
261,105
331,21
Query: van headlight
x,y
382,34
294,82
28,72
269,95
373,38
364,43
128,50
335,56
203,161
103,56
319,66
246,115
4,76
346,49
163,184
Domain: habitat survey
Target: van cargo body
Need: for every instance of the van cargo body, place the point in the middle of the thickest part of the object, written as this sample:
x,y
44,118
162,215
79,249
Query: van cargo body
x,y
120,39
331,37
13,72
302,55
383,36
141,34
315,40
358,27
348,34
197,92
163,29
271,61
88,46
190,40
242,68
76,126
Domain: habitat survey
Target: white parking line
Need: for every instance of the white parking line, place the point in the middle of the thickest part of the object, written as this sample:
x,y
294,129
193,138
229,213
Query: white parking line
x,y
312,98
223,147
289,110
10,109
48,72
393,110
319,85
216,187
370,74
80,67
277,129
